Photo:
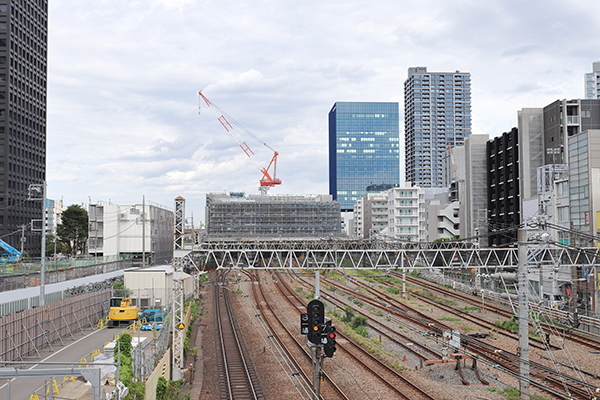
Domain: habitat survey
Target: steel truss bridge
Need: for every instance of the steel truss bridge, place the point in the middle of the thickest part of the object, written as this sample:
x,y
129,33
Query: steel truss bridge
x,y
332,254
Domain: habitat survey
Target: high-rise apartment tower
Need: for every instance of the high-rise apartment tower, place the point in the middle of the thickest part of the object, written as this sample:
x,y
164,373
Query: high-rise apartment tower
x,y
363,149
23,68
437,112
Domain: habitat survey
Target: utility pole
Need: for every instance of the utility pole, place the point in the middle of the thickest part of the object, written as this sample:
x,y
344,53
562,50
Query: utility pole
x,y
523,315
43,263
143,231
22,237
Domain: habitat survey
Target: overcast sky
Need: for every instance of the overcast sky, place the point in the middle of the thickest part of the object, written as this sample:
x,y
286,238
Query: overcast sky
x,y
124,76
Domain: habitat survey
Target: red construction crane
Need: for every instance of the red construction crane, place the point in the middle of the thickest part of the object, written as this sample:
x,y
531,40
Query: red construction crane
x,y
268,180
454,176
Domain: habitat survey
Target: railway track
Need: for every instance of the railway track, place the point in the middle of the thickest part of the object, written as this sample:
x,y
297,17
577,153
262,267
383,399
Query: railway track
x,y
584,338
399,385
287,340
238,377
556,383
482,323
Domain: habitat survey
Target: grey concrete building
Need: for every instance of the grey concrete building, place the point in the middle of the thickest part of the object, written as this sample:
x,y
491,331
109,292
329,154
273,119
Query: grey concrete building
x,y
531,149
473,199
565,118
442,218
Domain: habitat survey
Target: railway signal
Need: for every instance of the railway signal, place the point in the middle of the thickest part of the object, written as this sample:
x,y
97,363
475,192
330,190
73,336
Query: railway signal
x,y
329,339
316,318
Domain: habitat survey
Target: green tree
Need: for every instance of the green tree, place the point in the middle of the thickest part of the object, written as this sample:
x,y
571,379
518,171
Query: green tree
x,y
74,229
125,346
60,246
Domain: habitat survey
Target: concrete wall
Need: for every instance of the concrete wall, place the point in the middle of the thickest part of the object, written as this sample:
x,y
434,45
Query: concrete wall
x,y
163,368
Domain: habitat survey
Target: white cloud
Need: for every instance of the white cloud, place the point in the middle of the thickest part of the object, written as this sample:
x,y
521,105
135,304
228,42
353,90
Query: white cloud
x,y
124,76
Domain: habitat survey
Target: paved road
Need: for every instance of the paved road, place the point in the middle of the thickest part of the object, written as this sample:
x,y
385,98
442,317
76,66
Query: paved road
x,y
71,352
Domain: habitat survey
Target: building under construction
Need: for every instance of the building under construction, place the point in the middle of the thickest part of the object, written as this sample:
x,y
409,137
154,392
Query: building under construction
x,y
236,215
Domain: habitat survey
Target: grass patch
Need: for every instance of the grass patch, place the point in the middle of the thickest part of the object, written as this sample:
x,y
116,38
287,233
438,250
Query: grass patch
x,y
451,319
470,308
369,273
398,367
433,297
511,324
392,290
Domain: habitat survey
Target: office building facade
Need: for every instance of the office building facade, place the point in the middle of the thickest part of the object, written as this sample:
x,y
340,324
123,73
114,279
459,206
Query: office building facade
x,y
437,108
584,201
592,82
363,149
23,69
504,199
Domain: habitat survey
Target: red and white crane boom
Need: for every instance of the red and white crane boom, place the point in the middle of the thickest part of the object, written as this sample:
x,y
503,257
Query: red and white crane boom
x,y
268,180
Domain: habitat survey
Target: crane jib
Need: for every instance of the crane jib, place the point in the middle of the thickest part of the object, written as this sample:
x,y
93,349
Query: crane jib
x,y
267,180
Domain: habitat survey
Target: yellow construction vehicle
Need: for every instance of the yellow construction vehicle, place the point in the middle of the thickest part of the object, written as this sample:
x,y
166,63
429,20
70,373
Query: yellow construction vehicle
x,y
121,310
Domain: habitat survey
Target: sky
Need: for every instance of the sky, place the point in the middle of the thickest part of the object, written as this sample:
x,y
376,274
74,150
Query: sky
x,y
124,123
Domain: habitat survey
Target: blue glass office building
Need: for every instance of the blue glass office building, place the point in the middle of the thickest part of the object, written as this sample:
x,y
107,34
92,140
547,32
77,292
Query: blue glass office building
x,y
363,149
437,112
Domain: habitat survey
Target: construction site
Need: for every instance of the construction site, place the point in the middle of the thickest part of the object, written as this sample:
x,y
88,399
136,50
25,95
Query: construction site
x,y
238,215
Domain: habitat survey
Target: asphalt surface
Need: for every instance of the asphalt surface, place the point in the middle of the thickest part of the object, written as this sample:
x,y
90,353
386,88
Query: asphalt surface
x,y
71,353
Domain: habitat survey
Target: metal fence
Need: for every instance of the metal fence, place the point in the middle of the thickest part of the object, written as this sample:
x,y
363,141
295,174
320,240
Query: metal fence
x,y
21,268
23,334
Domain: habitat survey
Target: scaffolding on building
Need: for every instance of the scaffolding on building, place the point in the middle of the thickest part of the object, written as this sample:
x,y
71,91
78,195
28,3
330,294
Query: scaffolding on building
x,y
236,215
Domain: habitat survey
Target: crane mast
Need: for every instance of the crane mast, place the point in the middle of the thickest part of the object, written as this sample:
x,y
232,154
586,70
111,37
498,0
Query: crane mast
x,y
268,180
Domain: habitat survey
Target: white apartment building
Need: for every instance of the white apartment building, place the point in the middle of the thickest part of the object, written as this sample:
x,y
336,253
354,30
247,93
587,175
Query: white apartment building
x,y
137,230
359,219
406,214
371,214
592,82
